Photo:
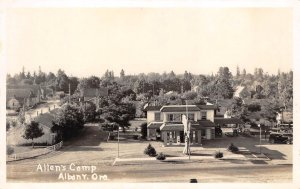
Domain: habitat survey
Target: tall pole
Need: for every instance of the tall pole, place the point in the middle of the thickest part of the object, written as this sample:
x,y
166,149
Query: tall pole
x,y
188,130
153,89
118,142
259,138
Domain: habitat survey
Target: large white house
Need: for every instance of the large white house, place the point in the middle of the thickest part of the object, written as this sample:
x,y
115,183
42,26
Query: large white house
x,y
164,122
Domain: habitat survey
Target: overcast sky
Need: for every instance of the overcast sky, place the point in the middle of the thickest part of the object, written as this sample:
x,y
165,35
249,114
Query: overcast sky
x,y
86,42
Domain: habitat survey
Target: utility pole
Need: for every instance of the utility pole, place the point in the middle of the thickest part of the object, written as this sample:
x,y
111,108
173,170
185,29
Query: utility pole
x,y
118,142
259,138
153,88
187,133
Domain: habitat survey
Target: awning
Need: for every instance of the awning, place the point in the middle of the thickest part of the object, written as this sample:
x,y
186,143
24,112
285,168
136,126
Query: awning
x,y
154,125
172,127
202,124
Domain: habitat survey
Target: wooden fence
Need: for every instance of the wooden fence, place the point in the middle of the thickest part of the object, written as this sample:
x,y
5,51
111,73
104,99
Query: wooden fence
x,y
34,153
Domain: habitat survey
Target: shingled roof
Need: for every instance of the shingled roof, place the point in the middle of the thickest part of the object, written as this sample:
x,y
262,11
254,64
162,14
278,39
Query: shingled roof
x,y
224,121
179,108
207,107
152,108
94,92
169,126
172,127
19,93
46,119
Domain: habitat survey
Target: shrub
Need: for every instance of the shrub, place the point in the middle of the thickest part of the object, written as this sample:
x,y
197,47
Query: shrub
x,y
150,151
218,155
232,148
9,150
161,156
135,137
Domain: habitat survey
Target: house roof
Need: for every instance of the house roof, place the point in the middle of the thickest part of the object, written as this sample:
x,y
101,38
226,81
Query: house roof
x,y
94,92
179,108
45,119
172,127
207,107
19,93
169,126
222,121
154,125
152,108
202,123
25,86
184,108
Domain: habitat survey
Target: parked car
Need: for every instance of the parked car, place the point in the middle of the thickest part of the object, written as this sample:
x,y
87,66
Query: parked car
x,y
283,138
193,180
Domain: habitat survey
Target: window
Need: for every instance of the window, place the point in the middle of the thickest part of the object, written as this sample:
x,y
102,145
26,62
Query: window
x,y
177,117
157,116
191,117
203,115
170,117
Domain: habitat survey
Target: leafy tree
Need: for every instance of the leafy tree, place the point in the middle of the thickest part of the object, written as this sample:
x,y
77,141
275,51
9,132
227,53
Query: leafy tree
x,y
108,75
171,75
270,109
114,111
62,81
118,114
186,84
244,73
73,84
26,82
69,121
238,71
89,111
122,74
50,78
127,92
28,76
223,86
270,87
33,131
190,95
10,80
285,88
259,74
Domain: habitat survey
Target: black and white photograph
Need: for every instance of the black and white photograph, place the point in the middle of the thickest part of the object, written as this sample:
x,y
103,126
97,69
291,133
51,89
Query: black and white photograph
x,y
149,95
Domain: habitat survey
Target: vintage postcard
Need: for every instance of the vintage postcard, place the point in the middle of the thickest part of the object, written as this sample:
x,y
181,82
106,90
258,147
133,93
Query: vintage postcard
x,y
149,93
